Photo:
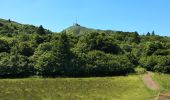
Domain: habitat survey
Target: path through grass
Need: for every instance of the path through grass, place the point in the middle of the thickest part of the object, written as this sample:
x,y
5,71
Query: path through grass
x,y
164,81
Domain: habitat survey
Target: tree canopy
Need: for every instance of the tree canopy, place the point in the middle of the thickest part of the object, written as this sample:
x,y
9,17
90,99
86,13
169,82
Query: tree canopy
x,y
27,50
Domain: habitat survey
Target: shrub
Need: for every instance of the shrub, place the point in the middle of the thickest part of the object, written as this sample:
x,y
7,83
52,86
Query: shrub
x,y
15,66
140,70
102,64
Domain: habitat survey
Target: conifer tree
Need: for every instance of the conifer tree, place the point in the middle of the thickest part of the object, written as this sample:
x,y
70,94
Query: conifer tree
x,y
41,30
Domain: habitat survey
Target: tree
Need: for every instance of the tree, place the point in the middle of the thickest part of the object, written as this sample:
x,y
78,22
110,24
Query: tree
x,y
102,64
43,60
23,48
15,66
132,59
9,20
97,41
62,51
153,33
148,34
4,46
45,64
153,47
54,59
136,37
41,30
1,24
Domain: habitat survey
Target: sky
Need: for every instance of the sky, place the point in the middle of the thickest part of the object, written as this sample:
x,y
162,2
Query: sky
x,y
123,15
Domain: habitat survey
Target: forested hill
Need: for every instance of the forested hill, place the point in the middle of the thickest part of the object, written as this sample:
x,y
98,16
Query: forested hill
x,y
27,50
9,26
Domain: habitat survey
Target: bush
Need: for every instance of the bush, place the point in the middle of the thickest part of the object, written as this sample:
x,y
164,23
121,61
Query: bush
x,y
148,62
140,70
4,46
15,66
101,64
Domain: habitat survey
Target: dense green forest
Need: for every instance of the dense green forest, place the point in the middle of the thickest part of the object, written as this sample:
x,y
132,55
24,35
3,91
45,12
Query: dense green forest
x,y
27,50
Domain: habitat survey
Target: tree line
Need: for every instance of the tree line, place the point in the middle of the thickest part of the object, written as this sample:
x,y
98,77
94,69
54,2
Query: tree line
x,y
49,54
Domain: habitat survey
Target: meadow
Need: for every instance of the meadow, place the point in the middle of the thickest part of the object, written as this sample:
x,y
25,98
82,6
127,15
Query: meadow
x,y
97,88
163,80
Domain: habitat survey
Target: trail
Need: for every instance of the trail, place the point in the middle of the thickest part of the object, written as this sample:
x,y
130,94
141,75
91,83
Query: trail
x,y
164,96
149,82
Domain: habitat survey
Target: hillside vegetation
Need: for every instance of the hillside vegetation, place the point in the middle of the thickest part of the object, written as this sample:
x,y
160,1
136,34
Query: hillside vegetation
x,y
27,50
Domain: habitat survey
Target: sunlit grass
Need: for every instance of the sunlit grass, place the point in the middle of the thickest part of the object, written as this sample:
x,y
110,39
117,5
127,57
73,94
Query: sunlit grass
x,y
99,88
164,81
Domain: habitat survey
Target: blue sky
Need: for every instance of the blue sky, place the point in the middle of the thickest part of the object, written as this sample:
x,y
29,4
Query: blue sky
x,y
126,15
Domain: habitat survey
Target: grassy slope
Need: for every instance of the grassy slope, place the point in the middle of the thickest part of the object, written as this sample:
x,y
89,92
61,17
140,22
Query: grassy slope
x,y
164,81
120,88
80,30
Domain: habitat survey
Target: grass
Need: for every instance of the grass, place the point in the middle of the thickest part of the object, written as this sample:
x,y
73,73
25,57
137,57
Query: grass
x,y
100,88
164,81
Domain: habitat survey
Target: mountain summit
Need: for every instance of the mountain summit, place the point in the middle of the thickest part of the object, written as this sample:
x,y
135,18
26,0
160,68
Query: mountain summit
x,y
77,29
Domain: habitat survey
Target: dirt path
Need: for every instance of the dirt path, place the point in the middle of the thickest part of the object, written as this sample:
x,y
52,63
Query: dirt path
x,y
164,96
149,82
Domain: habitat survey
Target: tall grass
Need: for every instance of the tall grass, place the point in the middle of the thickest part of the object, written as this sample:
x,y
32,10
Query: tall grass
x,y
106,88
164,81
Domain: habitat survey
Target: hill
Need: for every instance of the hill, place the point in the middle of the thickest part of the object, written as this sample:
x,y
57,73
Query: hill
x,y
78,30
12,27
27,50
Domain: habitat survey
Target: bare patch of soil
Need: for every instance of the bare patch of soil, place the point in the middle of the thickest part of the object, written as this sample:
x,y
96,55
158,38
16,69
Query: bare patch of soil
x,y
149,82
164,96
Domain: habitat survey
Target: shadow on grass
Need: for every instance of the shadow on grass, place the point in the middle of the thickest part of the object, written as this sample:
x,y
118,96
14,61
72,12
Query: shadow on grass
x,y
59,76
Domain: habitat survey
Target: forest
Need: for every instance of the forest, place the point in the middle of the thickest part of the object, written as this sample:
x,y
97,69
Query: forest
x,y
27,50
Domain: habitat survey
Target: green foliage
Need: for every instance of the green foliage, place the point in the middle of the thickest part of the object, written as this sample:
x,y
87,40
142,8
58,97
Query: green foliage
x,y
63,51
140,70
133,59
15,66
45,64
41,30
148,62
156,63
102,64
27,50
4,46
153,33
23,48
148,34
153,47
96,41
